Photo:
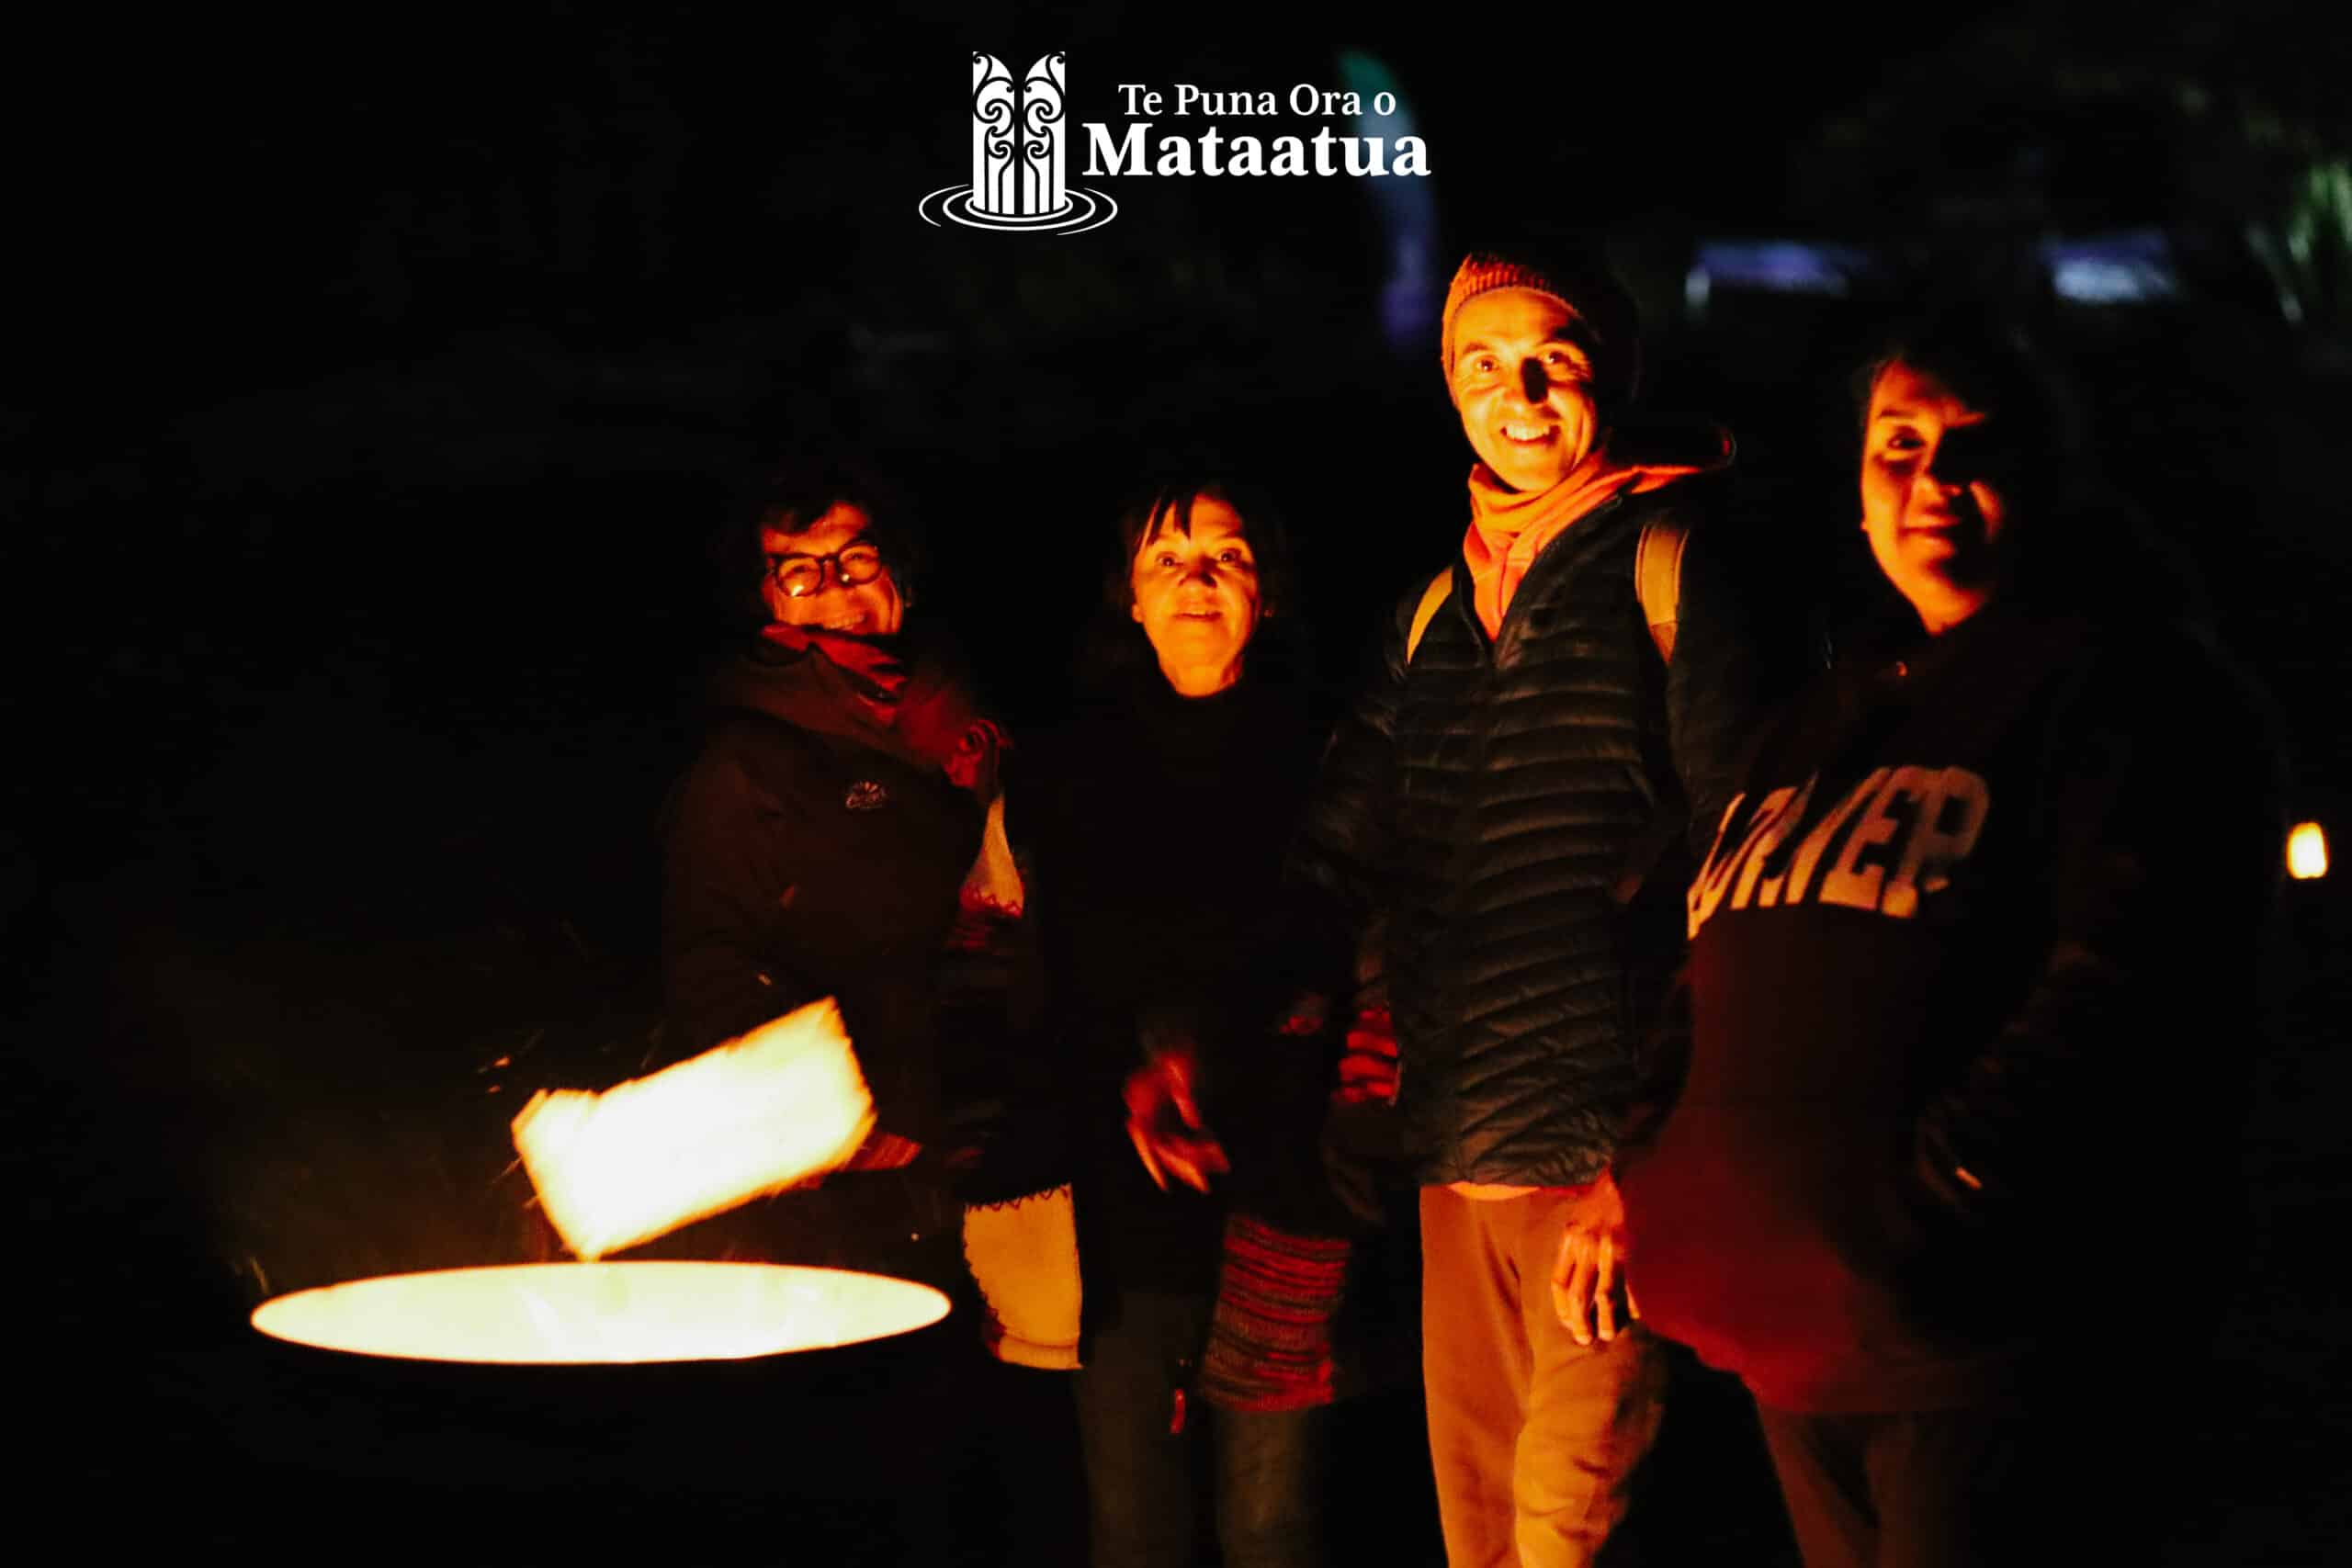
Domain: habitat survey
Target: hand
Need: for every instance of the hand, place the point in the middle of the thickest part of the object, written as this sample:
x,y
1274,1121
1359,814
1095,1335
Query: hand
x,y
1165,1122
1589,1276
1368,1068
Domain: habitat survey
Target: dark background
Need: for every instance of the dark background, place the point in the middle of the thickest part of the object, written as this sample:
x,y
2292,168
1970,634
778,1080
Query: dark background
x,y
379,376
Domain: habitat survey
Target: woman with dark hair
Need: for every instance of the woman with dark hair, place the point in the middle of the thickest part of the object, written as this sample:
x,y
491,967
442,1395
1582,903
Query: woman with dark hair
x,y
1157,823
1970,973
822,843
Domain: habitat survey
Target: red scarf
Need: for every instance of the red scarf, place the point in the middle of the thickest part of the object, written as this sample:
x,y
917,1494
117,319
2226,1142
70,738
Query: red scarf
x,y
918,712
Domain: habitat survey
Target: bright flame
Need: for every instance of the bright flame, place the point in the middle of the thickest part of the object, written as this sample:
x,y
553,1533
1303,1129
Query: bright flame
x,y
2307,853
745,1119
602,1312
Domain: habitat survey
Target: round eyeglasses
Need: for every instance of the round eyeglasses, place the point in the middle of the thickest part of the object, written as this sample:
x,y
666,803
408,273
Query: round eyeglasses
x,y
798,576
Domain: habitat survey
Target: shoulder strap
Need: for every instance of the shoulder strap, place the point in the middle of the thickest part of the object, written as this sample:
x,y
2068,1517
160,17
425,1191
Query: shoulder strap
x,y
1657,578
1433,599
1657,583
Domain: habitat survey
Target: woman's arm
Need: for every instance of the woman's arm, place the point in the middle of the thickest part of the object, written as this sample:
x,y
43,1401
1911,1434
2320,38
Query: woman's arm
x,y
2160,812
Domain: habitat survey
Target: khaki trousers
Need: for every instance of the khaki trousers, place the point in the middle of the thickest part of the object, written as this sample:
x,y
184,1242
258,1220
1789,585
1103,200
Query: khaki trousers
x,y
1533,1437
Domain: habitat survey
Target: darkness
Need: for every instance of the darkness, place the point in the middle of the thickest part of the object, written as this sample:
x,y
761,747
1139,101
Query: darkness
x,y
380,376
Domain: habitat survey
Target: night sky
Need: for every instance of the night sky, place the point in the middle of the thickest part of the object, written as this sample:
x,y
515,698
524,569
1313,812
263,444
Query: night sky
x,y
380,377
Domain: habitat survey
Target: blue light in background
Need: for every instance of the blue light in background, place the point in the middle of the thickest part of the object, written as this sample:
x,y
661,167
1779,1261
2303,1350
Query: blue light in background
x,y
2132,266
1773,266
1407,210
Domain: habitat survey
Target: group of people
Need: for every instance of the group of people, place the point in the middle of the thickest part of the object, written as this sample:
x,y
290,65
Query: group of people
x,y
1875,1038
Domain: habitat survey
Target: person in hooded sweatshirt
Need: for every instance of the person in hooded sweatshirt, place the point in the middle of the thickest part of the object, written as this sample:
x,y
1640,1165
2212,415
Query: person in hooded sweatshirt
x,y
1947,1176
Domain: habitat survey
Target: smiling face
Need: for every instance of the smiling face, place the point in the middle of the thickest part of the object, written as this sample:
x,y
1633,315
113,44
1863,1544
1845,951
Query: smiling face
x,y
1522,380
866,609
1938,484
1196,595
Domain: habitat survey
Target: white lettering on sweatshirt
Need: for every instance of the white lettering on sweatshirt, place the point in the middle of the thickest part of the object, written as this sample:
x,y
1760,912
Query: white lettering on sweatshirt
x,y
1903,830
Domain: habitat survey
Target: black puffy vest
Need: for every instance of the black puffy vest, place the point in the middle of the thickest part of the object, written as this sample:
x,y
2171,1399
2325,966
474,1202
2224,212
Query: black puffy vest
x,y
1489,796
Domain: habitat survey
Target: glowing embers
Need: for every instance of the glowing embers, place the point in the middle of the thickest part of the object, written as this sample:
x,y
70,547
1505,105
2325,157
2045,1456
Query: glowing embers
x,y
750,1117
570,1312
2307,853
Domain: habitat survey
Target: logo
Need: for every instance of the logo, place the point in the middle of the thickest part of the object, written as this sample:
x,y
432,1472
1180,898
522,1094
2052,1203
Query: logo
x,y
865,795
1019,164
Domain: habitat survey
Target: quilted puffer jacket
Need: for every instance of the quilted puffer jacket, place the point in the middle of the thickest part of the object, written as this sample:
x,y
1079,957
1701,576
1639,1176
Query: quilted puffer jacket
x,y
1482,803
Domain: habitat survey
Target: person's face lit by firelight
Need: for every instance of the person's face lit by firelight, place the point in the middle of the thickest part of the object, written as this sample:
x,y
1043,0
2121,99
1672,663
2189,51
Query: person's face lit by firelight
x,y
1522,380
1196,595
829,576
1937,500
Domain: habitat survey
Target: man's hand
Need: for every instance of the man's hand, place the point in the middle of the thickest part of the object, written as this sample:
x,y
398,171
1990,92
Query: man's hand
x,y
1368,1068
1165,1122
1589,1276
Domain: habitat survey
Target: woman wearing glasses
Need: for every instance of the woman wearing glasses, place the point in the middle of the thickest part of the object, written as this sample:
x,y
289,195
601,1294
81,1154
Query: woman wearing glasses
x,y
818,842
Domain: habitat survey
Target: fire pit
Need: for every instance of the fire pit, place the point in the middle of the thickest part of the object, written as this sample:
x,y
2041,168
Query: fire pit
x,y
602,1312
580,1410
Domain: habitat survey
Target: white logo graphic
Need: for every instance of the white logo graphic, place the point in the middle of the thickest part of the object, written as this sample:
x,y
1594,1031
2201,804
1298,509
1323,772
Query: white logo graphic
x,y
1017,158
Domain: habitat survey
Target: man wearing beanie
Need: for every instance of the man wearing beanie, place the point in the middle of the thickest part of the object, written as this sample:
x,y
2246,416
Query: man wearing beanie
x,y
1506,804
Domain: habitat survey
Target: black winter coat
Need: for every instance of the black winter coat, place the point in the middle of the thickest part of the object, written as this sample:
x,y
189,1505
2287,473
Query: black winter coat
x,y
803,862
1484,799
1157,826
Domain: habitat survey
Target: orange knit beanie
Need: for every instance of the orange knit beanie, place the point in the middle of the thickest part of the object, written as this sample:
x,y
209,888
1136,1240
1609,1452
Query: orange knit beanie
x,y
1579,280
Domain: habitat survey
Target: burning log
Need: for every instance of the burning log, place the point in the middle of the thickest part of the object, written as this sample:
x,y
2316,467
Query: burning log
x,y
748,1118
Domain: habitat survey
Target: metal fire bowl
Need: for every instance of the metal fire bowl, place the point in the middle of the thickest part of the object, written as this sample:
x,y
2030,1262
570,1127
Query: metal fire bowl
x,y
580,1397
602,1313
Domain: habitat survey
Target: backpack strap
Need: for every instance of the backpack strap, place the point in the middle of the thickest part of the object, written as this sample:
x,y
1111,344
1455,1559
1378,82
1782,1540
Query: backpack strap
x,y
1657,578
1433,599
1658,581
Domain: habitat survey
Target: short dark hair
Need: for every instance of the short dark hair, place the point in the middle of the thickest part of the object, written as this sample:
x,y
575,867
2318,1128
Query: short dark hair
x,y
796,490
1167,503
1115,650
2084,545
1993,363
